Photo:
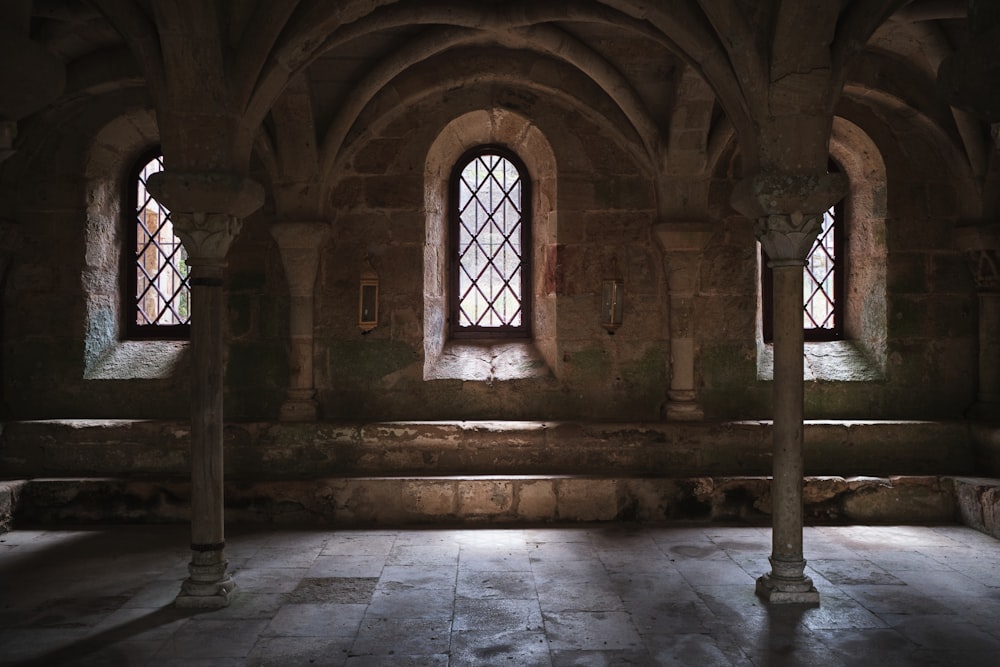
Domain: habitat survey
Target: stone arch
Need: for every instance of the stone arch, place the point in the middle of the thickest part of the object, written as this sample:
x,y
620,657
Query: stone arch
x,y
865,207
503,127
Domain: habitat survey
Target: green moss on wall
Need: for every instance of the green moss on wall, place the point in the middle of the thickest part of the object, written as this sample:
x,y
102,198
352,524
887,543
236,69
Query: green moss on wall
x,y
366,362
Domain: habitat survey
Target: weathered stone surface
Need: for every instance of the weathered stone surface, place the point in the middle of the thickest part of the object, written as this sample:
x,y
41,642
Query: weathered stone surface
x,y
899,499
402,501
269,451
978,503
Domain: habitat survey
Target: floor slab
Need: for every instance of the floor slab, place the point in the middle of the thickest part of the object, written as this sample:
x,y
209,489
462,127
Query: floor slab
x,y
597,594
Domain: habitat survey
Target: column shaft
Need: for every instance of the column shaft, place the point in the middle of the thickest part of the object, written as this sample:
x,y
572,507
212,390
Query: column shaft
x,y
209,584
787,583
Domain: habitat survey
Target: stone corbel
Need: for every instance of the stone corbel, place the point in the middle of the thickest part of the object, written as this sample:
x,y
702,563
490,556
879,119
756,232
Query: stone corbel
x,y
683,243
299,244
981,245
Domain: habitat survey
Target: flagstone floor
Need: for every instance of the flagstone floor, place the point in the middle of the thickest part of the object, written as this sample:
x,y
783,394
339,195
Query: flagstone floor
x,y
609,594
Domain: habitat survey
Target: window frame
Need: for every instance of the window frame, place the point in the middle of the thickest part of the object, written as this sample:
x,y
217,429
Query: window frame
x,y
132,330
524,330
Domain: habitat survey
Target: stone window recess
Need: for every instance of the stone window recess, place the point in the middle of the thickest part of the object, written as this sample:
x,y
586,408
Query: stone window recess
x,y
508,239
157,280
844,286
119,155
490,293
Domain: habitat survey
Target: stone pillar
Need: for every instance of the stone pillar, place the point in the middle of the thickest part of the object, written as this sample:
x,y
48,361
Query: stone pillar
x,y
299,243
788,209
981,244
787,240
206,209
683,243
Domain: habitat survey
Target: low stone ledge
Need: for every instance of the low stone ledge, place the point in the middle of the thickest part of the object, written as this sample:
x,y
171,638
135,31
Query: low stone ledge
x,y
492,499
258,451
978,503
10,492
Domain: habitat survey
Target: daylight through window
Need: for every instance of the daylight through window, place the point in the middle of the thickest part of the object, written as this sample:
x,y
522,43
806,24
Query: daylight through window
x,y
489,240
161,292
819,279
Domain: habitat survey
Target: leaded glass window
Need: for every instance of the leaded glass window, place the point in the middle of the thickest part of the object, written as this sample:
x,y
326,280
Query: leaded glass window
x,y
490,245
158,301
819,280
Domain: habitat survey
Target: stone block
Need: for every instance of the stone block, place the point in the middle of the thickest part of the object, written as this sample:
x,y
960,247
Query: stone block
x,y
587,499
822,489
898,499
536,500
429,498
484,497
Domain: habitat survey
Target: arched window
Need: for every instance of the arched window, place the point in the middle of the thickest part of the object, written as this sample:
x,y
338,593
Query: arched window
x,y
490,245
822,283
157,297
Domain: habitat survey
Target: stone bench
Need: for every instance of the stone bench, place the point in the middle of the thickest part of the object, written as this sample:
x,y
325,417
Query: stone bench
x,y
514,499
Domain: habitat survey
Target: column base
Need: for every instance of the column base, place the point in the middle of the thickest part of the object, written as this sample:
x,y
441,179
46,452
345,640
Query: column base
x,y
299,410
206,595
209,585
774,590
684,411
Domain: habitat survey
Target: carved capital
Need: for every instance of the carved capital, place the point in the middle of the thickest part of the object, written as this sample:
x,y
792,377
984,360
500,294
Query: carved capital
x,y
678,235
788,238
206,236
206,192
788,193
299,244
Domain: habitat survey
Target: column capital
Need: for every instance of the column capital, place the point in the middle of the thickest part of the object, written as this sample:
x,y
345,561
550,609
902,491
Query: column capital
x,y
206,236
206,208
981,245
787,208
299,243
300,234
773,192
206,192
788,238
683,234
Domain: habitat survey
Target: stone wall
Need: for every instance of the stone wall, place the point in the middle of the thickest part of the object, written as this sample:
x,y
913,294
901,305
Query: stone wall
x,y
60,315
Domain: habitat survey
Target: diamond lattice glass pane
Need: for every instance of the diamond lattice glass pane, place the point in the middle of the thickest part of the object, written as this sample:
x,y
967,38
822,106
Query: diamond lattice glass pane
x,y
162,290
818,278
489,243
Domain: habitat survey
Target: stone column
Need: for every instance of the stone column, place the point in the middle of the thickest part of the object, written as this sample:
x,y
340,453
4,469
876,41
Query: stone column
x,y
787,240
981,244
683,243
206,209
788,209
299,243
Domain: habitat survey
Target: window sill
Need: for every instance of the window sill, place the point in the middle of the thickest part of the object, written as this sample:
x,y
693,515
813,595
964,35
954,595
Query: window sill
x,y
139,360
486,361
830,361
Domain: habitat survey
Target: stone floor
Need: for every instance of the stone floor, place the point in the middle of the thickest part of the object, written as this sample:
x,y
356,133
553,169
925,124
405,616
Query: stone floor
x,y
588,595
